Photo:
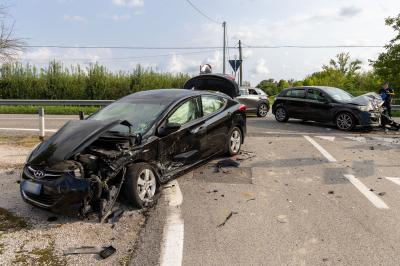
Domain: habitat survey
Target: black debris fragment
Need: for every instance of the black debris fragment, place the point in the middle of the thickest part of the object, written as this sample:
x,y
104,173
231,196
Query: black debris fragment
x,y
107,252
250,199
325,259
115,216
371,189
225,163
227,218
222,195
244,155
52,219
372,148
331,192
382,193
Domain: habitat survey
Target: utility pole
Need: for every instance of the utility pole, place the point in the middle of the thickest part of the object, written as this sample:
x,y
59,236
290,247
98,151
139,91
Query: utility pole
x,y
224,45
241,66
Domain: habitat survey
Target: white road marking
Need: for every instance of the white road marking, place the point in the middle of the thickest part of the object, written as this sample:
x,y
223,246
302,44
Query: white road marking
x,y
379,203
26,129
359,139
329,138
326,154
172,244
395,180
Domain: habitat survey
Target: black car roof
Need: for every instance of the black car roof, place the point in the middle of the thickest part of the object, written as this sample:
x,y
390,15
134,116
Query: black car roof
x,y
323,88
164,95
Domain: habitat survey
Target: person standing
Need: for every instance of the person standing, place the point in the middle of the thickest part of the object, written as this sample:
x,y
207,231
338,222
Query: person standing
x,y
386,94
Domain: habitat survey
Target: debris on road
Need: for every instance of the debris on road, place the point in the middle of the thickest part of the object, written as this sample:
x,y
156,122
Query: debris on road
x,y
282,219
244,155
382,194
115,216
250,199
103,252
331,192
225,163
372,148
227,218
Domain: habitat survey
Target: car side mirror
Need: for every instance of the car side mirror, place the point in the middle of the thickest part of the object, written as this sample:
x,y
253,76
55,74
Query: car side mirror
x,y
168,128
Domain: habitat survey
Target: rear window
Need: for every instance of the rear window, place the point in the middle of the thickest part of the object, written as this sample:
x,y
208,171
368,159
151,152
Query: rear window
x,y
296,93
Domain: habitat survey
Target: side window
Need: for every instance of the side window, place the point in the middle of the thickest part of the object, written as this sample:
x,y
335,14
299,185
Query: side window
x,y
211,104
252,92
243,92
187,112
315,95
296,93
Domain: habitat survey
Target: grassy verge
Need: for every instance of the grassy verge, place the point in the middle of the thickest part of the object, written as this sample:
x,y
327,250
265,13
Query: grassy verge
x,y
11,222
50,110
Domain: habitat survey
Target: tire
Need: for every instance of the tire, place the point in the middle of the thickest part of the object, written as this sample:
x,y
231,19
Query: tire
x,y
140,185
345,121
281,114
262,110
234,142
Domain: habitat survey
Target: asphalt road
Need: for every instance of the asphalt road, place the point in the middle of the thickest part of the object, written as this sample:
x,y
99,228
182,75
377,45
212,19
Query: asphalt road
x,y
307,194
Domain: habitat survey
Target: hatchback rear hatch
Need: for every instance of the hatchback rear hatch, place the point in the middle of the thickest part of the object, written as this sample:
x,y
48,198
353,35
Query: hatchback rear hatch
x,y
214,82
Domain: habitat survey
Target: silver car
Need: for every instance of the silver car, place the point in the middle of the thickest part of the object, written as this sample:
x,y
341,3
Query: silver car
x,y
255,99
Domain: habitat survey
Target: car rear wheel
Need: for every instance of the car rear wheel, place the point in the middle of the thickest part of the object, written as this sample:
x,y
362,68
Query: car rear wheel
x,y
345,121
235,140
262,110
140,185
281,114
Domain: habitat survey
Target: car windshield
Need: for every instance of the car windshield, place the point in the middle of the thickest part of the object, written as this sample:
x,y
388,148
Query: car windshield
x,y
141,114
260,91
339,95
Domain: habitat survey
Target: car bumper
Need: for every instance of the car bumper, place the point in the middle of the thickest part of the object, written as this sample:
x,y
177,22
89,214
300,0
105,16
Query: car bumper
x,y
369,118
64,194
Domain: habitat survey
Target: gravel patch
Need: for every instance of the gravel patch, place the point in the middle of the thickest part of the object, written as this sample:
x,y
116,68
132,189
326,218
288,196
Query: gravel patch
x,y
42,242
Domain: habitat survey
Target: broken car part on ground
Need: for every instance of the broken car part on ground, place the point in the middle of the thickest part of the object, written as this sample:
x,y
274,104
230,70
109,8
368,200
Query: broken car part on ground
x,y
133,145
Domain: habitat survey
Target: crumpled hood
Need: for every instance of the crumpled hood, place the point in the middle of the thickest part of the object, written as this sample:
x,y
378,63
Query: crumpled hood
x,y
365,99
72,138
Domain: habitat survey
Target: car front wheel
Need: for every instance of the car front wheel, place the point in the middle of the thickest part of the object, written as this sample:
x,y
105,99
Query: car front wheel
x,y
141,184
262,110
345,121
235,140
281,114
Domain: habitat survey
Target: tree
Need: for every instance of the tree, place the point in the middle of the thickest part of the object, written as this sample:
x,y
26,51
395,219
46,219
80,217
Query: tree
x,y
343,64
10,46
387,66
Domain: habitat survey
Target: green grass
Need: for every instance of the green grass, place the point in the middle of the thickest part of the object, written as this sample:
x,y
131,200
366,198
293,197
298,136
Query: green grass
x,y
50,110
11,222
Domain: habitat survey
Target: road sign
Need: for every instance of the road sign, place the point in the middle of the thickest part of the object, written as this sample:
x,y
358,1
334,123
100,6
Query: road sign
x,y
235,64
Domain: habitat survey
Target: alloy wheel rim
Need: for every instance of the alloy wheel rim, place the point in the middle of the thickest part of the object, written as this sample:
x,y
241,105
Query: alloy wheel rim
x,y
344,121
280,114
263,110
146,185
235,141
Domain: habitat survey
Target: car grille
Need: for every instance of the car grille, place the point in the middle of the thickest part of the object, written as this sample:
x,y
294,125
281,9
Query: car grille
x,y
42,199
36,173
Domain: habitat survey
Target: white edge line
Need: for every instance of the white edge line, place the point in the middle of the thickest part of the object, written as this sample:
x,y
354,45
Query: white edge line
x,y
380,204
326,154
173,235
395,180
26,129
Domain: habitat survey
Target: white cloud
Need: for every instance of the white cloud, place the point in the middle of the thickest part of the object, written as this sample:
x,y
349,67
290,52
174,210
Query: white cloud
x,y
74,18
42,54
129,3
121,17
349,11
261,68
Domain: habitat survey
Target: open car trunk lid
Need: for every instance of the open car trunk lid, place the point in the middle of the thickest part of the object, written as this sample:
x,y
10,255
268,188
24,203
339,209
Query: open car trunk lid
x,y
214,82
72,138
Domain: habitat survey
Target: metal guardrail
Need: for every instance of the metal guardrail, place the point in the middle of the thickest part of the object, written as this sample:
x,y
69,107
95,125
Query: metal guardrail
x,y
56,102
396,107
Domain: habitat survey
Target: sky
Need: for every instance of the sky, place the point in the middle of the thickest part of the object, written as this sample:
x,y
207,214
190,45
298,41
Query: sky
x,y
175,23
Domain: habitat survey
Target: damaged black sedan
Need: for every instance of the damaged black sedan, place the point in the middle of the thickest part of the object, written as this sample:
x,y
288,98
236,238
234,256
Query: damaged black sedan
x,y
133,145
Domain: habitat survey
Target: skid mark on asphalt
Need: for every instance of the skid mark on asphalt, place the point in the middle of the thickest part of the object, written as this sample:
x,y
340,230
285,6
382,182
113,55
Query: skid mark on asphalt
x,y
172,244
375,200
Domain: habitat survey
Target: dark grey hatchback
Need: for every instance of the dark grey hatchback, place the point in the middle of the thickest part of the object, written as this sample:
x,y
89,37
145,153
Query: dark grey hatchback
x,y
328,104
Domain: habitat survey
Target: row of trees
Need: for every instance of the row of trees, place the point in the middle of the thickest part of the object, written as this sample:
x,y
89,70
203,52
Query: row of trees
x,y
345,73
94,82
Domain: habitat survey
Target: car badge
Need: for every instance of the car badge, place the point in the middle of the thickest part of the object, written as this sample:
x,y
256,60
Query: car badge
x,y
38,174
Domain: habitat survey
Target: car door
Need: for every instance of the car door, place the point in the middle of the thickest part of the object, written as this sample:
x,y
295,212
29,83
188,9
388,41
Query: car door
x,y
217,123
318,107
295,102
184,146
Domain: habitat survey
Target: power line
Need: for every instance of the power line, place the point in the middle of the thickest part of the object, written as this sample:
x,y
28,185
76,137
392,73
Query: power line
x,y
202,47
202,13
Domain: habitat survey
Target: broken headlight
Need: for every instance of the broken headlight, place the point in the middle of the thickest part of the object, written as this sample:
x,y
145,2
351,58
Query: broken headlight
x,y
364,108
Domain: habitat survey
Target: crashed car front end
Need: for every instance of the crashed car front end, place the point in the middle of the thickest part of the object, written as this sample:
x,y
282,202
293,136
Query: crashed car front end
x,y
369,109
79,169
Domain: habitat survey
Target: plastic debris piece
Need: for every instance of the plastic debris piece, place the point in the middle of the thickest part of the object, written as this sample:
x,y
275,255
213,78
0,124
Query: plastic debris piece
x,y
227,218
107,252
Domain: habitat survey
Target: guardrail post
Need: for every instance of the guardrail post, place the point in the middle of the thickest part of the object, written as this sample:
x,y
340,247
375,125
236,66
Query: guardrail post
x,y
81,115
41,124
